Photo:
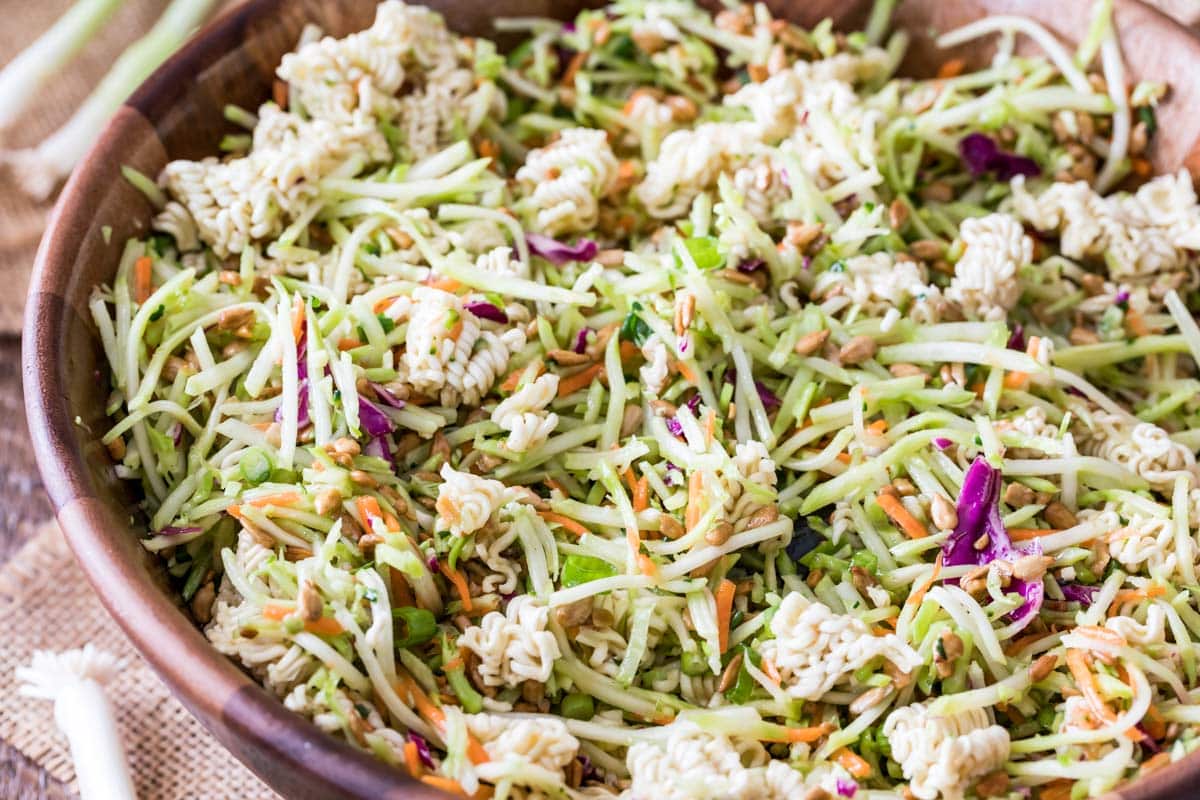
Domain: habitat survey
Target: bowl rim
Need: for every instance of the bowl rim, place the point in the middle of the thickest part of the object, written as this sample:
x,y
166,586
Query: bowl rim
x,y
289,751
251,723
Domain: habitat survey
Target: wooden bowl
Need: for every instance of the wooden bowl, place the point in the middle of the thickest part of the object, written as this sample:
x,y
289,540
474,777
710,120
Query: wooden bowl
x,y
177,113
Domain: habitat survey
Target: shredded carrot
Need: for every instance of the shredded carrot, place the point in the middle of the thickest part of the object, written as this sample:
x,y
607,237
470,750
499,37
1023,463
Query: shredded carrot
x,y
710,426
1154,723
809,734
1137,595
459,581
142,277
1141,167
424,706
1086,680
918,594
843,457
348,343
878,426
566,522
368,507
573,66
573,383
641,494
445,784
555,485
629,351
696,504
488,149
325,626
852,763
951,68
456,330
1025,534
687,373
646,565
1056,790
382,305
900,515
413,759
281,500
514,377
627,475
401,595
725,592
1135,323
1016,380
297,318
1019,644
443,283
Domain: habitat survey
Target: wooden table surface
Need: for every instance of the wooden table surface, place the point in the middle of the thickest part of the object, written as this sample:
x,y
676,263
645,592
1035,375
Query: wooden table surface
x,y
23,506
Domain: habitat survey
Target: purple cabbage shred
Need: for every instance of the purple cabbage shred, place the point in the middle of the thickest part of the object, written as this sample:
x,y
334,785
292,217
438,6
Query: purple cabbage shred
x,y
1017,340
768,398
674,426
179,530
941,443
846,787
982,155
1079,592
558,252
386,396
373,421
379,448
979,514
423,751
752,265
581,340
488,311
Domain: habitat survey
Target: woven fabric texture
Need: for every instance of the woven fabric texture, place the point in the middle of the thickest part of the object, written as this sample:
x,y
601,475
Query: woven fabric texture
x,y
171,755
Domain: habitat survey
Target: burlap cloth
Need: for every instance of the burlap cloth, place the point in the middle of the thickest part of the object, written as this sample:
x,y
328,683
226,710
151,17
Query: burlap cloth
x,y
21,219
49,605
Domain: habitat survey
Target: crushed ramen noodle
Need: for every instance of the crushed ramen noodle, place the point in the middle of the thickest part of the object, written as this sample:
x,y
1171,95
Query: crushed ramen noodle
x,y
684,406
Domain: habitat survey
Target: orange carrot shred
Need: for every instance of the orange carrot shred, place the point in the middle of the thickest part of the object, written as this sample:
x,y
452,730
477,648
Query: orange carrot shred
x,y
573,383
1016,380
142,277
566,522
283,500
325,626
951,68
879,426
297,318
809,734
1025,534
687,373
641,494
460,583
629,351
1136,324
348,343
852,763
900,515
413,759
919,593
1086,680
724,596
445,284
445,784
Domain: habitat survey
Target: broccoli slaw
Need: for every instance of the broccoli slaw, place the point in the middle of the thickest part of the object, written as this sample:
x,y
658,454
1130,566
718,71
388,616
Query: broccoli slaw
x,y
684,405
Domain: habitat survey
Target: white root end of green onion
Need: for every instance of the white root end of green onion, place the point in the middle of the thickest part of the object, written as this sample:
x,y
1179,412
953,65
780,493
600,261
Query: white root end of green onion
x,y
75,681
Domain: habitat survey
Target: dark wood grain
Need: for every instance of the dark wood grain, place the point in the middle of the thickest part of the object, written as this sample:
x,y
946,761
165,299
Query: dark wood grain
x,y
24,507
